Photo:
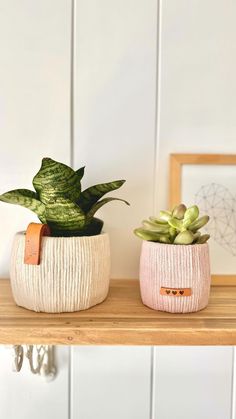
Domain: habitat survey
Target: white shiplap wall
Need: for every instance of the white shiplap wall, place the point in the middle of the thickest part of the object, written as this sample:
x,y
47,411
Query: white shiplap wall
x,y
197,89
197,111
34,99
115,97
34,122
193,383
121,48
111,382
114,127
26,396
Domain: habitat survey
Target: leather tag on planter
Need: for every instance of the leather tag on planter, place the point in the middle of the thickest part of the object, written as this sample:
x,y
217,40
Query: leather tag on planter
x,y
176,292
33,240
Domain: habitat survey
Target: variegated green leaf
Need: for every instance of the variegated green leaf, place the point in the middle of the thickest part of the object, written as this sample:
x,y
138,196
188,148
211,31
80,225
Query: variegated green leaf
x,y
56,179
93,227
80,172
25,198
57,199
100,204
92,195
64,216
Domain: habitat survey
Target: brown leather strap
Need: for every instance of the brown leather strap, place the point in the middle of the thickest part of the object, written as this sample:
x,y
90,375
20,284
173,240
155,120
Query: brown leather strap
x,y
33,239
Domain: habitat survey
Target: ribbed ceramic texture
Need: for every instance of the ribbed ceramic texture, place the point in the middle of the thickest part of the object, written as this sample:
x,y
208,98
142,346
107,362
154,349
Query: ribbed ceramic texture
x,y
175,266
73,274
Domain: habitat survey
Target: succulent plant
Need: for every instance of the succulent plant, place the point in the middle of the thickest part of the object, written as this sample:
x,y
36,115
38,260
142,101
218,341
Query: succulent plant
x,y
179,226
59,202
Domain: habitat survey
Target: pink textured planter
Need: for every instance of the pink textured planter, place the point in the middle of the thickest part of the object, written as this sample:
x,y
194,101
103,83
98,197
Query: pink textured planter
x,y
175,278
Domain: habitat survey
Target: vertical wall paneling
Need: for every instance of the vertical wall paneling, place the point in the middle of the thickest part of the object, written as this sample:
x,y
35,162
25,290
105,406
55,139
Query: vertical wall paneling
x,y
108,85
111,382
35,40
155,185
153,384
72,80
193,382
233,392
196,113
34,100
114,136
197,81
115,94
158,106
70,382
24,395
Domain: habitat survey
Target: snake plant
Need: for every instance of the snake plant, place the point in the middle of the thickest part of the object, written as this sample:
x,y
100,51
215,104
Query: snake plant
x,y
179,226
59,202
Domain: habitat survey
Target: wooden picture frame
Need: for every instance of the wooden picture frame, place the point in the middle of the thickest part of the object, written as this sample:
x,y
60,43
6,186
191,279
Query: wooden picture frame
x,y
177,161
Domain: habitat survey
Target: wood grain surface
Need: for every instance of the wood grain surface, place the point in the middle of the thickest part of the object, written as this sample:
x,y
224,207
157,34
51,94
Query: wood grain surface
x,y
121,320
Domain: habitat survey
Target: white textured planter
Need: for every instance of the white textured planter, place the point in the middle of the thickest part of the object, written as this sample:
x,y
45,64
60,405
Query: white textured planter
x,y
73,274
175,267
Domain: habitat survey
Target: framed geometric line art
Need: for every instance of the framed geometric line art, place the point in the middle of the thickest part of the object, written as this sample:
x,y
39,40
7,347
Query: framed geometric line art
x,y
209,181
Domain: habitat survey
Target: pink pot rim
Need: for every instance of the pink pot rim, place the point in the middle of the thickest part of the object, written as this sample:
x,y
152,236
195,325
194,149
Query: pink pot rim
x,y
157,244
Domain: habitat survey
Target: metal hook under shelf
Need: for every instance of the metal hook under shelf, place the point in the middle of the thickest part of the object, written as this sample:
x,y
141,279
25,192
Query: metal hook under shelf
x,y
41,359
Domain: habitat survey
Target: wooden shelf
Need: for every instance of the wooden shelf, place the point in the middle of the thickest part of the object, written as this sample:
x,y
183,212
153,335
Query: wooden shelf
x,y
121,320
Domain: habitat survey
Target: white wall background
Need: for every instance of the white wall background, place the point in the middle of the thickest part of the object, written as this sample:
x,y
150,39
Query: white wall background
x,y
149,79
